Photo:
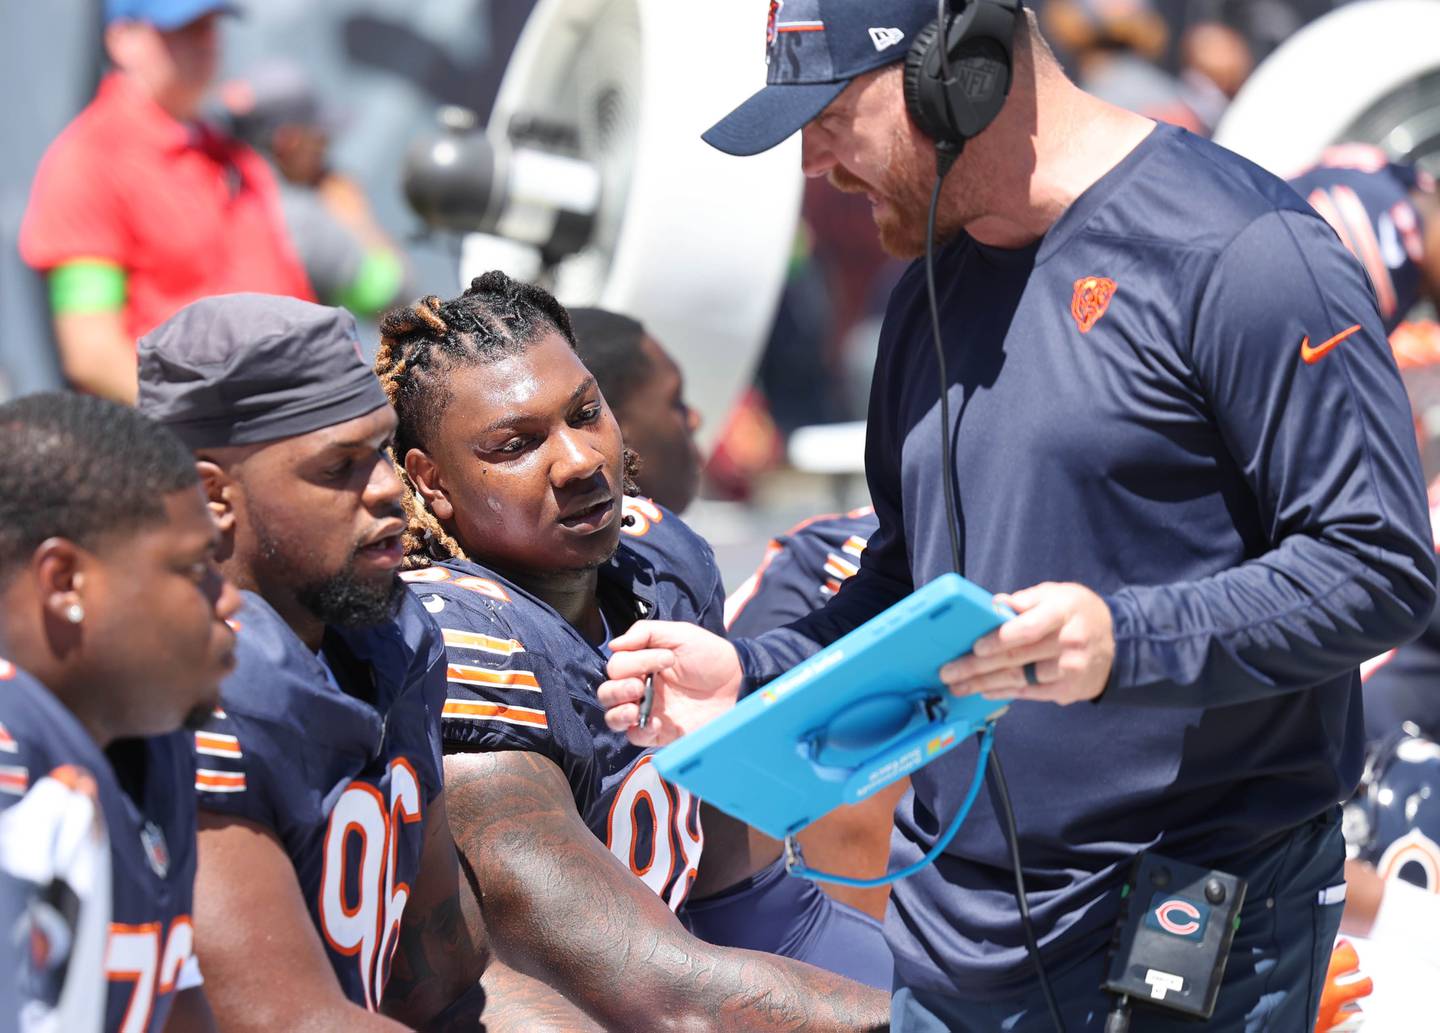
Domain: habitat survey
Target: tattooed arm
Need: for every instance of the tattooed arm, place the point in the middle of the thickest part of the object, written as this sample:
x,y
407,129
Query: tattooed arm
x,y
520,1004
560,907
443,978
442,952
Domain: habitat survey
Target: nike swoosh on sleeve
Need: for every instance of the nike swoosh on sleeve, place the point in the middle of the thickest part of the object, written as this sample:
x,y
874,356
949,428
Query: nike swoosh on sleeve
x,y
1313,355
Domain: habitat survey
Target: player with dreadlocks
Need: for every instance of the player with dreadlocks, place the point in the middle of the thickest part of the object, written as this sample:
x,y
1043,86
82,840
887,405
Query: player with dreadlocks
x,y
525,548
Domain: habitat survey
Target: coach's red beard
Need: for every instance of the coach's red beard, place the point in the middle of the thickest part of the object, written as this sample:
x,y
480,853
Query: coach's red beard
x,y
899,208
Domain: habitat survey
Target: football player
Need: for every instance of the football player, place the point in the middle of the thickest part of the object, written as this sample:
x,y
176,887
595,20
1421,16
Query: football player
x,y
529,553
645,389
800,570
1388,215
1392,910
328,884
113,636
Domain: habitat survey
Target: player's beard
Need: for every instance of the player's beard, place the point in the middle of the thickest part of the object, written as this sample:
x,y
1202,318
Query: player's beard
x,y
906,193
347,600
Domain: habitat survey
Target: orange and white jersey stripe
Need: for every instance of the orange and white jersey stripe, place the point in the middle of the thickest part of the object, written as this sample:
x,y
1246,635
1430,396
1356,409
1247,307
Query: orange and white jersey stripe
x,y
504,713
839,568
210,780
462,674
801,570
213,744
473,640
14,779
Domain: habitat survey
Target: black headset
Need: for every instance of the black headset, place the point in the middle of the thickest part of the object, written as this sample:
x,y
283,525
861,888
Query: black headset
x,y
958,70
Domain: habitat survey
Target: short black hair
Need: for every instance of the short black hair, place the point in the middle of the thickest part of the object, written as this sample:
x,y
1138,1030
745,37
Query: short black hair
x,y
610,346
81,468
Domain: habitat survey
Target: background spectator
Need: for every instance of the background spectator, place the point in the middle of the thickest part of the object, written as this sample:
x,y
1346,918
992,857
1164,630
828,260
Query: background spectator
x,y
350,260
645,390
138,208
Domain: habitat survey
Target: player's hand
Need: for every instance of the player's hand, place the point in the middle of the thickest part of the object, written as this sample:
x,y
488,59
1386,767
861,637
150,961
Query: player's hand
x,y
1344,986
696,678
1064,630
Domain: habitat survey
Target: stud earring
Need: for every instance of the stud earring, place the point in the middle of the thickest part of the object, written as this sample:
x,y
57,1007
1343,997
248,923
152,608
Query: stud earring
x,y
75,613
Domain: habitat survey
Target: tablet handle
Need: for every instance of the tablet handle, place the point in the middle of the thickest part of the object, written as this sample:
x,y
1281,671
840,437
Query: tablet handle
x,y
925,707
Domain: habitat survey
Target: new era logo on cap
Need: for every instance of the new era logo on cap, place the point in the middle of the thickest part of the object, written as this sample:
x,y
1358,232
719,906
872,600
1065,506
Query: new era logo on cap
x,y
885,38
814,49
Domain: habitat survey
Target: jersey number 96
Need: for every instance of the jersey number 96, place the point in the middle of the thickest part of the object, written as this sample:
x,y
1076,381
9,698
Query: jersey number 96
x,y
360,909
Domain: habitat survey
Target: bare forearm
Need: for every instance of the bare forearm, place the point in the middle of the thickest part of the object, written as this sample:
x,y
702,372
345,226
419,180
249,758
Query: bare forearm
x,y
443,948
560,908
97,356
190,1013
516,1003
426,981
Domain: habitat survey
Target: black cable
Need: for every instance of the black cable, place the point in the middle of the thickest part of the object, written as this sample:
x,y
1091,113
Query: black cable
x,y
1012,838
1118,1021
945,155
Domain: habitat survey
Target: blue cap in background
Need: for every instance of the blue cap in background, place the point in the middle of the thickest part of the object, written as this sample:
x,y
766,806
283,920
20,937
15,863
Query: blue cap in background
x,y
165,15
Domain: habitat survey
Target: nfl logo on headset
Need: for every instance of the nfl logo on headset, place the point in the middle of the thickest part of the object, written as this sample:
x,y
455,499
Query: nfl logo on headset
x,y
1178,916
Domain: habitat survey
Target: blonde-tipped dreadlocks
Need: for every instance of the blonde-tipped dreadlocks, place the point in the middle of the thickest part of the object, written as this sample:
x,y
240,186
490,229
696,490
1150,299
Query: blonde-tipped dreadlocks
x,y
420,344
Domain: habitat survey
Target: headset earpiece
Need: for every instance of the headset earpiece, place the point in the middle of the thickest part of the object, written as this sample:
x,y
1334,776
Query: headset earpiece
x,y
919,89
978,42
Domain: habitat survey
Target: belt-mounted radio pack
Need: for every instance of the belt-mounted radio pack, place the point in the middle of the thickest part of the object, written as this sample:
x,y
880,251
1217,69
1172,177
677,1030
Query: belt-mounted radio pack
x,y
1173,938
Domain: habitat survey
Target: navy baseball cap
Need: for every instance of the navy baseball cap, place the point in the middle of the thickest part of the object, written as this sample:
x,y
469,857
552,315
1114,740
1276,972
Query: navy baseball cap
x,y
165,15
813,49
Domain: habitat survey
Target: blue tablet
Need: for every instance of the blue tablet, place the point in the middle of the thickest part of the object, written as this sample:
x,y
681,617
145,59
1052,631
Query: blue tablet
x,y
864,711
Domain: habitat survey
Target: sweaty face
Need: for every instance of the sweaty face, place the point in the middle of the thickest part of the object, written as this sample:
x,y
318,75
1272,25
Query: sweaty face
x,y
156,607
864,144
322,520
661,428
528,459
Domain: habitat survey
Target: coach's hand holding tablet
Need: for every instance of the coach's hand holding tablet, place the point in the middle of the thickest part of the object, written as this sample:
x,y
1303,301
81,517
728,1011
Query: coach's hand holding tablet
x,y
1057,650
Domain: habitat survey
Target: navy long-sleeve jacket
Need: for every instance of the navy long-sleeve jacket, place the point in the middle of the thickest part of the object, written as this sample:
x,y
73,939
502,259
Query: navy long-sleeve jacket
x,y
1182,398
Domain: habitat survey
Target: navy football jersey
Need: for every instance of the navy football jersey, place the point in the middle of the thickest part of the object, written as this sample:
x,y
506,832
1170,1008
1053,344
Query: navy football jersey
x,y
142,788
1365,197
801,570
337,754
521,678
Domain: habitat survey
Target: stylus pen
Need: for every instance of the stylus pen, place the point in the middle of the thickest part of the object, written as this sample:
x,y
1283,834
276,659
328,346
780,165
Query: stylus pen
x,y
648,700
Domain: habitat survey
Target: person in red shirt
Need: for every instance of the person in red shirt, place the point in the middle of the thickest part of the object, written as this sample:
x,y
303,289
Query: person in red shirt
x,y
138,208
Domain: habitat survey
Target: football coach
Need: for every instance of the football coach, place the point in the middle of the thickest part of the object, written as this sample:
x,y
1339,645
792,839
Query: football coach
x,y
1179,448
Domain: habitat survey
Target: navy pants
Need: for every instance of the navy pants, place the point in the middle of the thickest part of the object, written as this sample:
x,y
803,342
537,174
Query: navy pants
x,y
1272,981
774,912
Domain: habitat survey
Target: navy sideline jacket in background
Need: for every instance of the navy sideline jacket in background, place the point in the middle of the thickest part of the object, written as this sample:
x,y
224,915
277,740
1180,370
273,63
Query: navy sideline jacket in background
x,y
1181,397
